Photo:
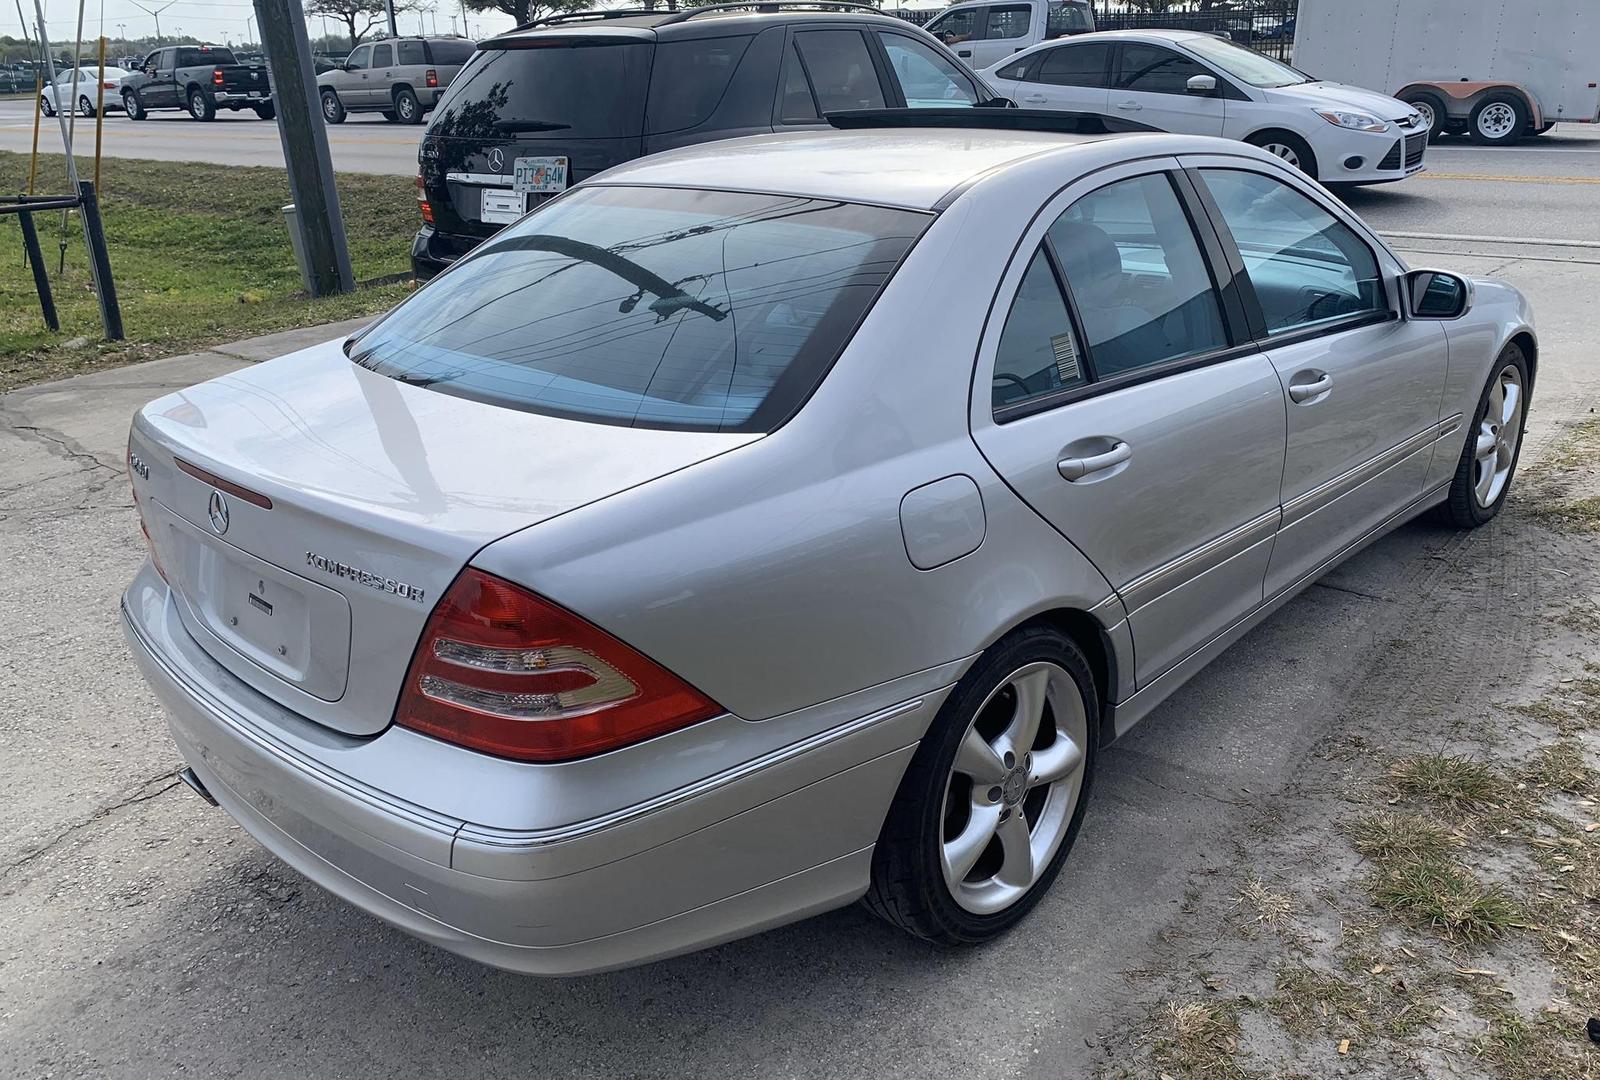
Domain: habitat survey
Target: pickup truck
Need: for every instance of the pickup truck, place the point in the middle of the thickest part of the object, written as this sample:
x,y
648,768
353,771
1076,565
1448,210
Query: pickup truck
x,y
985,32
200,79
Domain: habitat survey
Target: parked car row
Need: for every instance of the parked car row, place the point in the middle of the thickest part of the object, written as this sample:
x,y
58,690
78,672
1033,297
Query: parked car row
x,y
560,100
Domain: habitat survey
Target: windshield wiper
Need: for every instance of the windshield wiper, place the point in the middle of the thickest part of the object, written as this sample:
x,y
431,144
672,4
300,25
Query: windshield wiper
x,y
513,126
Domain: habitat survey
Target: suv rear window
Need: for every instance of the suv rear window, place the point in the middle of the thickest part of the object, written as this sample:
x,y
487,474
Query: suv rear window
x,y
650,307
451,52
590,88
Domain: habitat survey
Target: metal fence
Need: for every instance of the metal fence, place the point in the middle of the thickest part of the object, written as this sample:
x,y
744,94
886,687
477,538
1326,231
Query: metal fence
x,y
1269,29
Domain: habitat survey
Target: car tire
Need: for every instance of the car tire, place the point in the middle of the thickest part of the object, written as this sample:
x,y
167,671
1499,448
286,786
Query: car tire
x,y
407,107
332,110
1432,108
45,106
1288,148
201,107
1494,442
133,105
85,107
1498,120
267,111
936,826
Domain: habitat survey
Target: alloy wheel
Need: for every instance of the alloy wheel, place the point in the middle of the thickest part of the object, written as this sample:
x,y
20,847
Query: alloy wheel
x,y
1498,435
1013,787
1497,120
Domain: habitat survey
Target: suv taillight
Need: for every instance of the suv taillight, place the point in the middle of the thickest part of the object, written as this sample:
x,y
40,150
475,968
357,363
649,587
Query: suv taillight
x,y
216,76
432,77
422,200
506,672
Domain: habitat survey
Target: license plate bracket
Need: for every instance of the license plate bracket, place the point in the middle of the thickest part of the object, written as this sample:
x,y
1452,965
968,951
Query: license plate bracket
x,y
501,207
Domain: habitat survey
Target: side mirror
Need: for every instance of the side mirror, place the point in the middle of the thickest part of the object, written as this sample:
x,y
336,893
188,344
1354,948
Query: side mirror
x,y
1202,85
1437,294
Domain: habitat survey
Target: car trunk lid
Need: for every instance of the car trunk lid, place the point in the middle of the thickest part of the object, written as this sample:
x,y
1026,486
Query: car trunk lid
x,y
308,513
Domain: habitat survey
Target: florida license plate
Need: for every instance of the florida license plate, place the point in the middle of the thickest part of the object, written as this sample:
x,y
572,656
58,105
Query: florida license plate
x,y
540,175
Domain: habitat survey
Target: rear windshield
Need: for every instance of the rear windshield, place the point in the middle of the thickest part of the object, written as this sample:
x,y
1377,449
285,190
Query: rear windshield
x,y
195,57
571,88
650,307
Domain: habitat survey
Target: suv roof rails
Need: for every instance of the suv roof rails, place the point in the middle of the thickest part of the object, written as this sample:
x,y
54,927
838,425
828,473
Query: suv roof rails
x,y
587,16
769,6
992,117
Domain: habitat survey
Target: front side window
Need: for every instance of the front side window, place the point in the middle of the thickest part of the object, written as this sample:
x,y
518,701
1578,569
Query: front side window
x,y
359,59
1135,270
1075,65
1307,267
650,307
1010,21
955,27
841,70
1152,69
927,79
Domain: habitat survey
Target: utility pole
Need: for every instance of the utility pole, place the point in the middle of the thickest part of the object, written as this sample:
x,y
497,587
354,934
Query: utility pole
x,y
305,146
154,13
388,8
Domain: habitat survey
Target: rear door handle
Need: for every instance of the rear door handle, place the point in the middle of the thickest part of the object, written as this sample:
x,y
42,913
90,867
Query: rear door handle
x,y
967,53
1304,391
1076,468
1036,99
1129,106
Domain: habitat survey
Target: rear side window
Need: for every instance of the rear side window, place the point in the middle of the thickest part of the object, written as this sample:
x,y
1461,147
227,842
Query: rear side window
x,y
798,105
451,52
382,56
1008,21
841,70
689,79
591,89
1068,18
1075,65
1038,354
650,307
411,52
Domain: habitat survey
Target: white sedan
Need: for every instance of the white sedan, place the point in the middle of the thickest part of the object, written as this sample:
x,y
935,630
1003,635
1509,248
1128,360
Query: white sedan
x,y
83,91
1198,84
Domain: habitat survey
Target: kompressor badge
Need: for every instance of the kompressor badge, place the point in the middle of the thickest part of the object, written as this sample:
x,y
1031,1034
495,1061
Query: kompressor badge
x,y
364,577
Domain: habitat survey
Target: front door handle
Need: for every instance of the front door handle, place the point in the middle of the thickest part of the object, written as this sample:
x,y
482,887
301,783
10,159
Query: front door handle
x,y
1129,106
1076,468
1304,391
965,53
1036,99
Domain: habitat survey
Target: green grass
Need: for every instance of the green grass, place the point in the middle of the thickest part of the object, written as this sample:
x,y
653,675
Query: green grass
x,y
1441,895
1458,783
200,255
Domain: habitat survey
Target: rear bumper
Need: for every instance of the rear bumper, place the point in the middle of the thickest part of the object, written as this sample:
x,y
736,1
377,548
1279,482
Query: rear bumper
x,y
235,98
433,253
781,836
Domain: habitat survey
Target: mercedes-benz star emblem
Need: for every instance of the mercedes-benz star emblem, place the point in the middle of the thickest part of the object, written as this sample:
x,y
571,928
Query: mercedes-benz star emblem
x,y
217,511
497,160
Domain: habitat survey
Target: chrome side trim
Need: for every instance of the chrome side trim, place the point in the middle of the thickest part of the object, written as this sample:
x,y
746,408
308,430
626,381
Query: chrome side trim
x,y
1126,714
1448,425
1304,505
491,837
1108,612
1154,584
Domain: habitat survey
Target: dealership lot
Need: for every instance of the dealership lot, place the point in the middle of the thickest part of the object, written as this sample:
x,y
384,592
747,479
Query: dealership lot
x,y
146,935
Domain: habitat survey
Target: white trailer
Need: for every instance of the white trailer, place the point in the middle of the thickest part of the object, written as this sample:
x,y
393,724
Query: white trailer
x,y
1496,70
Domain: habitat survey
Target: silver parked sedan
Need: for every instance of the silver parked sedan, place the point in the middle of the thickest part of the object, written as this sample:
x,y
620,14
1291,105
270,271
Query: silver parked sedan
x,y
767,525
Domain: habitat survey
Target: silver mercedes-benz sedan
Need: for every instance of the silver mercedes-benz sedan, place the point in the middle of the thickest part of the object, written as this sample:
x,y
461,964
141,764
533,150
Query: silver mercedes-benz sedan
x,y
772,524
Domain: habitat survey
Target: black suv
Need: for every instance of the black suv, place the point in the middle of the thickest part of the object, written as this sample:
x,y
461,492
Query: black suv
x,y
557,101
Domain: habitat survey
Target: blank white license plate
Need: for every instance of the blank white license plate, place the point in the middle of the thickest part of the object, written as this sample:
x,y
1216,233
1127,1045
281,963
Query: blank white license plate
x,y
540,175
502,207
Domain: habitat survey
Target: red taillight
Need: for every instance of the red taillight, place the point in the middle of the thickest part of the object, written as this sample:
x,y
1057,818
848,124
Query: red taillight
x,y
422,201
433,77
109,85
216,76
503,671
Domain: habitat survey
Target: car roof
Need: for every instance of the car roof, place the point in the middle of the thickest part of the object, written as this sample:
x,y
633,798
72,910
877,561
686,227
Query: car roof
x,y
912,168
670,24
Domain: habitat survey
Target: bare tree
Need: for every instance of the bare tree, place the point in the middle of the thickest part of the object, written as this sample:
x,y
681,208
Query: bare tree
x,y
358,16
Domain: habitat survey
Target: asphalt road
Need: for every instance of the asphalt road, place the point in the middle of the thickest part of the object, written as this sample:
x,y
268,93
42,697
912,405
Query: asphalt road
x,y
1514,192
